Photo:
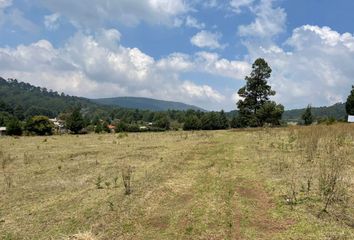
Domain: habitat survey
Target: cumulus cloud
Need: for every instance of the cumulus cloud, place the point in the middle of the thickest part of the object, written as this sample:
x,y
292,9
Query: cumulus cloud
x,y
206,39
269,21
95,13
212,63
97,65
194,23
316,70
194,90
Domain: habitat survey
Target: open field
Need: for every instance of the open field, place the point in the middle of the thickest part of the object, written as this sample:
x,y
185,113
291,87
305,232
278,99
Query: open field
x,y
244,184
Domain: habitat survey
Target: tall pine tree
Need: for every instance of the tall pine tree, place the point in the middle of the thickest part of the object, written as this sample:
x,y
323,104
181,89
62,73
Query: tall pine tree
x,y
255,108
349,106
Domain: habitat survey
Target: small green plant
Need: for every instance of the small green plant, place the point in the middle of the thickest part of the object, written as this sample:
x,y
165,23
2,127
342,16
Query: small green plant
x,y
127,177
99,182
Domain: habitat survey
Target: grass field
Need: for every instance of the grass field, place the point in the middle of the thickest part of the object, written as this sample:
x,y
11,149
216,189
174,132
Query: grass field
x,y
237,184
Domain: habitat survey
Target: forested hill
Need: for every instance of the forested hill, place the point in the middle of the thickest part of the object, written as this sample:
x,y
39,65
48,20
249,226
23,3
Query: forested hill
x,y
29,100
146,104
336,111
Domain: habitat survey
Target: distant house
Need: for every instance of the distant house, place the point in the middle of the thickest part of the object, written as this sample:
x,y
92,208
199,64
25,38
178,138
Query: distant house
x,y
112,128
351,119
59,125
2,131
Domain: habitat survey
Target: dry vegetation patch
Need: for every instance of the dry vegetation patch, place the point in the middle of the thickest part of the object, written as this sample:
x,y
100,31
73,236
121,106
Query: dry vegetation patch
x,y
252,184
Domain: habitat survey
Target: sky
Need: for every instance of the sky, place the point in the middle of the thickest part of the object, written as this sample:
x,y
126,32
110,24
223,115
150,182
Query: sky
x,y
194,51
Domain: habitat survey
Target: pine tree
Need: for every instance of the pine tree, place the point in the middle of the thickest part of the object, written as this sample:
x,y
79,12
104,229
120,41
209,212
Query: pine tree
x,y
255,95
307,116
75,121
13,127
349,106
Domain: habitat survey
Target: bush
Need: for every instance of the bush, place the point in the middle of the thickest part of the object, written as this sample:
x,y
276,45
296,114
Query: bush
x,y
75,121
39,125
13,127
192,123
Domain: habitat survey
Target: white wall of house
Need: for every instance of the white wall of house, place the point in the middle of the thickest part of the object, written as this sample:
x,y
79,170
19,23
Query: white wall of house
x,y
351,119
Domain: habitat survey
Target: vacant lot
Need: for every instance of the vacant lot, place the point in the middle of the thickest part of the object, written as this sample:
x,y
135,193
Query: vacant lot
x,y
251,184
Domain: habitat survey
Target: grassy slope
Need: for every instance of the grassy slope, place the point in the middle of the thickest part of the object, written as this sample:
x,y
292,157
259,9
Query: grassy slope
x,y
203,185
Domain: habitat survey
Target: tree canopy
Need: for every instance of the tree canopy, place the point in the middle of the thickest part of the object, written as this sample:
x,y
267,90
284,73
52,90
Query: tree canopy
x,y
255,108
307,116
349,106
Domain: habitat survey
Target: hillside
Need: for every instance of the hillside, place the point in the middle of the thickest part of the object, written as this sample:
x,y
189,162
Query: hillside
x,y
32,100
336,111
145,104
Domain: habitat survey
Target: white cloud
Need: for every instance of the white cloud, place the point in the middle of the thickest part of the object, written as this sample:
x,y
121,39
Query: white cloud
x,y
51,22
206,39
236,5
269,21
14,17
318,69
194,23
99,66
194,90
95,13
5,3
213,64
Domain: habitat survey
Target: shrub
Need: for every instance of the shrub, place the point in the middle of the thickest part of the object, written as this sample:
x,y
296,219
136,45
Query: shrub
x,y
13,127
39,125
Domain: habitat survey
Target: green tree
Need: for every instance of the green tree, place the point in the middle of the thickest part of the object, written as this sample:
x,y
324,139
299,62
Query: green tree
x,y
13,127
307,116
255,94
223,121
121,127
98,128
234,122
192,123
349,106
75,121
162,120
39,125
270,113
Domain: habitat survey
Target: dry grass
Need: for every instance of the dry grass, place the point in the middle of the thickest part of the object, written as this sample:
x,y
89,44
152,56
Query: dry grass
x,y
81,236
201,185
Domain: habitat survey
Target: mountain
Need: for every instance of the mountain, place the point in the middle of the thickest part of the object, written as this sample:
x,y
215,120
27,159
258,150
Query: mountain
x,y
30,100
145,104
336,111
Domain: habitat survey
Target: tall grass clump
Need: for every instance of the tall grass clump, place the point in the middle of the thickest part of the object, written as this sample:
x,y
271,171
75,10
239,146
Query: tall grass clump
x,y
127,173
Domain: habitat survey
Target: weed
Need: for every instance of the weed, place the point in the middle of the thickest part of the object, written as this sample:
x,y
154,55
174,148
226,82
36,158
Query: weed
x,y
115,181
99,182
127,173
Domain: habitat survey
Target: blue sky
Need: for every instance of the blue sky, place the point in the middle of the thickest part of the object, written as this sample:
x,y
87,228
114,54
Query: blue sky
x,y
192,51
